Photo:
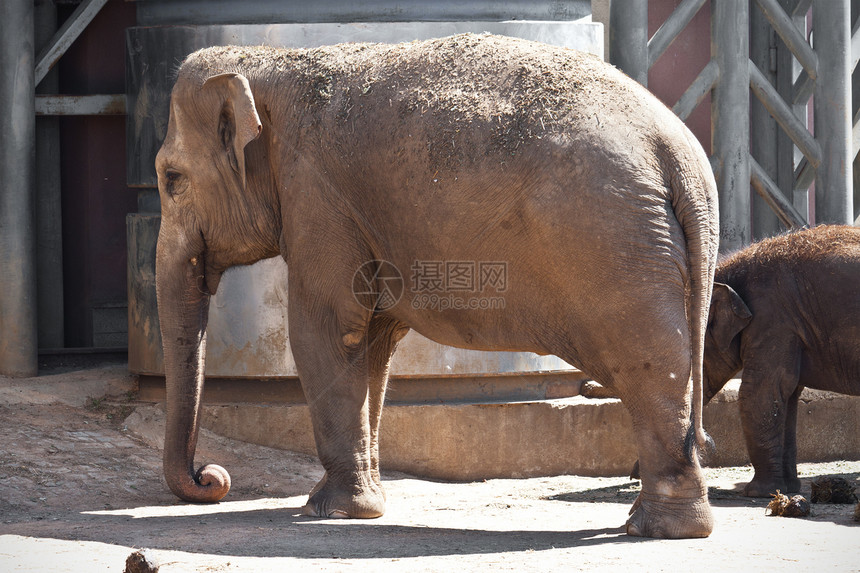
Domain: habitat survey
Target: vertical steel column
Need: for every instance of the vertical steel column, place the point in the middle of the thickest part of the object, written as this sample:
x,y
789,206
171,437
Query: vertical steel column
x,y
49,220
730,121
831,25
763,128
18,340
855,106
788,156
628,38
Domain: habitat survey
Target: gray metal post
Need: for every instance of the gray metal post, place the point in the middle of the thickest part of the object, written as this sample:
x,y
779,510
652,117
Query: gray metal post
x,y
49,236
831,25
18,340
788,156
628,38
855,105
763,128
729,120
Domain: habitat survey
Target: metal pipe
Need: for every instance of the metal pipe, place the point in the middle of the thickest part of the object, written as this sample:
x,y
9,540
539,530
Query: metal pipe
x,y
770,194
669,30
67,34
763,128
697,91
730,120
217,12
769,97
101,104
18,338
49,210
802,89
833,197
628,38
788,156
855,44
796,42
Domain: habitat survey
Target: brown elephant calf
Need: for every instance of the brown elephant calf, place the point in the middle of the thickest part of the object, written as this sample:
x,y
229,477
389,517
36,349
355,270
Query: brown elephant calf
x,y
787,311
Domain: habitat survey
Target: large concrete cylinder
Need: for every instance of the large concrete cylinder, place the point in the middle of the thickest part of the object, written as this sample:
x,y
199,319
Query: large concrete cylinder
x,y
248,336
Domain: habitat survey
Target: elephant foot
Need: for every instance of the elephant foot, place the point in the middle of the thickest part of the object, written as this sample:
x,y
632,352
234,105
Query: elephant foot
x,y
670,518
792,485
766,487
328,500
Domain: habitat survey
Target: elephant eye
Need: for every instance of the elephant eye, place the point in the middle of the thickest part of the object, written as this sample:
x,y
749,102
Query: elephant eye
x,y
171,180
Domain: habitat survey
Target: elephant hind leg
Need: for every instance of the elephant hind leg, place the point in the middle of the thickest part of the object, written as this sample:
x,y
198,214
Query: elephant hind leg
x,y
673,502
652,378
789,450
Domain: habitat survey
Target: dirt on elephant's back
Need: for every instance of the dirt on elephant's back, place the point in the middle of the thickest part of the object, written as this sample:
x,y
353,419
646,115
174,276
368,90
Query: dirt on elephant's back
x,y
528,89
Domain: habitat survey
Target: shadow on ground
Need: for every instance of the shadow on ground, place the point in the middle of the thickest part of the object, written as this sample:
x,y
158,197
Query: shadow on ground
x,y
284,533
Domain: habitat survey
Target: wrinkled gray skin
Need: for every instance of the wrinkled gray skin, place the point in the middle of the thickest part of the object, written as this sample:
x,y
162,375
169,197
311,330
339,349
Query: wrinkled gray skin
x,y
787,311
471,148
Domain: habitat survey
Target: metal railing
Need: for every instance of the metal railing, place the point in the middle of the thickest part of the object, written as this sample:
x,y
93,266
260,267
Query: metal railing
x,y
780,165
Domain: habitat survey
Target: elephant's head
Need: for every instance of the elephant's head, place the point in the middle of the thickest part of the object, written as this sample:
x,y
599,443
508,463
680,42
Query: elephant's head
x,y
208,224
728,317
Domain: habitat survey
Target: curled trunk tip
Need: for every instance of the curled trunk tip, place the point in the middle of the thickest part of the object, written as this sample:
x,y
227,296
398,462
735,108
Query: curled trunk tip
x,y
210,484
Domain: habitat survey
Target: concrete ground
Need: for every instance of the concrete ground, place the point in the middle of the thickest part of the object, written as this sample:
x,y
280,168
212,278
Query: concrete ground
x,y
80,489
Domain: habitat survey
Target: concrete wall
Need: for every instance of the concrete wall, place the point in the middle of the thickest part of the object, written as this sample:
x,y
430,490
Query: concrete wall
x,y
574,435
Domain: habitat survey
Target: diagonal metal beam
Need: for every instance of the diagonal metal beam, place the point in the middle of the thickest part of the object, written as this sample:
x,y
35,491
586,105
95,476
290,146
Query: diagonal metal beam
x,y
855,44
700,87
792,37
801,8
855,134
669,30
802,89
67,34
804,175
771,194
784,116
80,104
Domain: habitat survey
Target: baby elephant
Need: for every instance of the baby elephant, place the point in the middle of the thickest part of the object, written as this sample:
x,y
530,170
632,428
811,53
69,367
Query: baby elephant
x,y
787,311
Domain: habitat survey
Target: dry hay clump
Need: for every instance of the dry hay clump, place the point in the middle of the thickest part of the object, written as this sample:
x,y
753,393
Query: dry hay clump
x,y
833,490
783,506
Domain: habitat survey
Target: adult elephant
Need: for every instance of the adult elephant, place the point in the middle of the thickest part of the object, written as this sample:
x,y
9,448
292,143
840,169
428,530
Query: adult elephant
x,y
359,161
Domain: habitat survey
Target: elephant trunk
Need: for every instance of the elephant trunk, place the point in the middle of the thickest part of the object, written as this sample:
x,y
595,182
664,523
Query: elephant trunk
x,y
183,309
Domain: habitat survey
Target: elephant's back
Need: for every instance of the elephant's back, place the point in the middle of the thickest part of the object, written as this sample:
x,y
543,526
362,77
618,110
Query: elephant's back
x,y
466,78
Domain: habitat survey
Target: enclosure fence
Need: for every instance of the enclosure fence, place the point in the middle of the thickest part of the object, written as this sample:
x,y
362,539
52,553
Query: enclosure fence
x,y
796,57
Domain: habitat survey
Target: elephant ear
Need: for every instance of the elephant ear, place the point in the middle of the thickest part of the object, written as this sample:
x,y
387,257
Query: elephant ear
x,y
238,122
729,315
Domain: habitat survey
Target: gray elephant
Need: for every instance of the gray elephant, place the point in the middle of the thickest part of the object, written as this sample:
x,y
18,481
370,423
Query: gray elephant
x,y
357,162
787,311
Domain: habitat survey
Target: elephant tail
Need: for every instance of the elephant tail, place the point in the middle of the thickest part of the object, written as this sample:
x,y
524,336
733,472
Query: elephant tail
x,y
696,205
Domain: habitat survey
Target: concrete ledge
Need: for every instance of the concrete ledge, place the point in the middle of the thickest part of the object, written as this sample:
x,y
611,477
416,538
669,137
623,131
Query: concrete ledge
x,y
574,435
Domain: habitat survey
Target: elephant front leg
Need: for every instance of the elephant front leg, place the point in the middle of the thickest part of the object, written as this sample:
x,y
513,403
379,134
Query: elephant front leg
x,y
764,399
343,377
